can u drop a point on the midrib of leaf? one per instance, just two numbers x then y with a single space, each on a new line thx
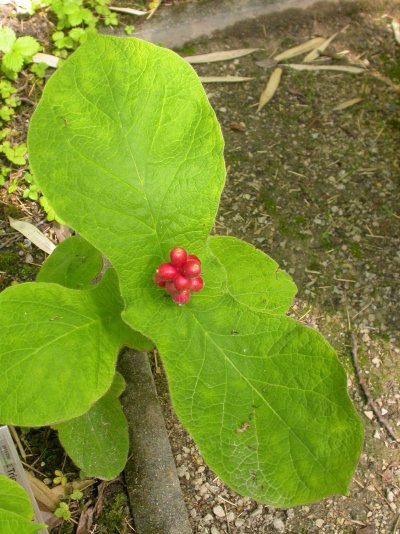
123 133
111 174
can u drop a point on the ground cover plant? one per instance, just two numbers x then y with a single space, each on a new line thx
127 149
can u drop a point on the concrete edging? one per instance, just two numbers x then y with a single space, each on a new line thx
152 482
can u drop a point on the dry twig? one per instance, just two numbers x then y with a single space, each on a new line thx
364 387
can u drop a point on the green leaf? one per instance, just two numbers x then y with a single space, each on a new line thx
74 264
51 214
63 511
6 113
98 440
27 46
6 89
14 498
15 154
263 396
15 509
13 186
39 69
254 278
61 359
13 61
150 171
76 34
11 523
7 39
57 36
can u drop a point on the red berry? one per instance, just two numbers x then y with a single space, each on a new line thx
166 271
178 256
196 284
182 297
159 281
181 282
193 258
191 269
170 288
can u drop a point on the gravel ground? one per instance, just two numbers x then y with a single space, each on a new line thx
318 190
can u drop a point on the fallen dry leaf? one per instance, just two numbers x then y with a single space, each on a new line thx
43 494
270 88
396 30
223 79
51 61
128 11
339 68
379 76
314 54
85 521
154 5
223 55
238 126
300 49
347 104
33 234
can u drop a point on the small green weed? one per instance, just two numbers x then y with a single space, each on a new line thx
16 51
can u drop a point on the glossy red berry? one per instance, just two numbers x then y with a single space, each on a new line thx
192 257
191 269
181 282
178 256
196 284
182 297
159 281
166 271
170 288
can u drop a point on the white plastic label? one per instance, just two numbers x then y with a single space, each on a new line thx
11 467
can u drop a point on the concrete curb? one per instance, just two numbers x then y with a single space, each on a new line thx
178 25
153 487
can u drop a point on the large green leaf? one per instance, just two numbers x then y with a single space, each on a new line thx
134 153
97 441
128 127
263 396
99 453
58 349
15 509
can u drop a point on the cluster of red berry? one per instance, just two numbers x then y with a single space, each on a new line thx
181 276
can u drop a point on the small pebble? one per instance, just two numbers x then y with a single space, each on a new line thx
181 470
208 518
231 516
319 523
214 530
278 525
219 511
